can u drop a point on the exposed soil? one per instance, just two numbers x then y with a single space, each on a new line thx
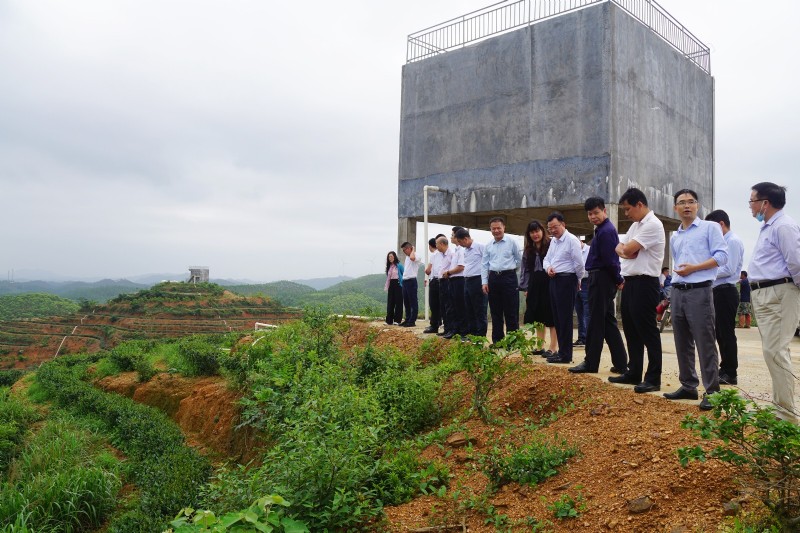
206 410
626 444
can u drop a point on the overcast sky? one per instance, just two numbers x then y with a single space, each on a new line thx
261 138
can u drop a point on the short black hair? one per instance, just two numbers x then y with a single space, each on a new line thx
406 244
555 215
718 215
432 242
497 219
462 234
684 191
456 228
633 196
744 272
594 202
773 192
664 268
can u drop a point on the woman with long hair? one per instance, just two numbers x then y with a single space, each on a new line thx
536 284
393 286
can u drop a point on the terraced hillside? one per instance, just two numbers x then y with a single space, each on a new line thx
165 310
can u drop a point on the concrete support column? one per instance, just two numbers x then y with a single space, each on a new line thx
406 231
613 214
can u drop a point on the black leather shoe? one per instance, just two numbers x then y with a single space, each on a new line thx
646 387
624 379
579 342
537 352
582 368
705 405
430 330
548 353
559 359
725 379
615 370
408 324
681 394
449 335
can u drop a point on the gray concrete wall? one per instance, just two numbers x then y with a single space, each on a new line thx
548 115
662 121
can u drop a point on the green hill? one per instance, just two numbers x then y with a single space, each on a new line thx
359 296
34 305
99 291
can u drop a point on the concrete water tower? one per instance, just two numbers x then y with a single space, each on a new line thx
526 107
198 274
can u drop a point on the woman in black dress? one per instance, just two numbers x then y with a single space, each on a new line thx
536 284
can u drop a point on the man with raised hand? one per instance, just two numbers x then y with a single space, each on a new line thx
774 274
698 250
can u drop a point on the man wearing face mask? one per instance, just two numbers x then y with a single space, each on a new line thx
774 274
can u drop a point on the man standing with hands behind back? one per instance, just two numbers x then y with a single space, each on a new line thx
564 264
774 273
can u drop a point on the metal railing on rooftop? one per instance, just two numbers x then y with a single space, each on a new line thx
506 16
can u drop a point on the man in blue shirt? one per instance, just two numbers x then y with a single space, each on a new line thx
698 250
499 279
604 279
726 299
564 264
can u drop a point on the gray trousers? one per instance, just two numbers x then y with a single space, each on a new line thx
693 325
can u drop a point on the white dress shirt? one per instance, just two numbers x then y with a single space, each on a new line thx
649 233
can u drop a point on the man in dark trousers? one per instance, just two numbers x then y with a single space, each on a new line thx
564 264
604 279
501 258
726 300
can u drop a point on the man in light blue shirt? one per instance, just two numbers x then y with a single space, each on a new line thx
698 250
564 264
774 274
501 258
726 299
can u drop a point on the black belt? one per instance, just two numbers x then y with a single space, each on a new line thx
637 276
564 274
472 277
502 272
725 286
755 285
687 286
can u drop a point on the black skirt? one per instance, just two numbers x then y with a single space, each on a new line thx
537 303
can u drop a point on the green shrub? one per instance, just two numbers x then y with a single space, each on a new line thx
260 516
567 506
167 472
399 476
486 365
530 464
9 377
199 356
763 447
408 397
63 479
145 370
127 355
15 418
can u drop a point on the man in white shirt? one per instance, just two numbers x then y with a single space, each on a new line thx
774 274
475 299
641 251
445 297
434 272
564 264
410 299
454 273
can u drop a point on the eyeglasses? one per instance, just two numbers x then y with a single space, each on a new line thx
686 202
751 202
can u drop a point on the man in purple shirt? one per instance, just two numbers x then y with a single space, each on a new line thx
604 280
